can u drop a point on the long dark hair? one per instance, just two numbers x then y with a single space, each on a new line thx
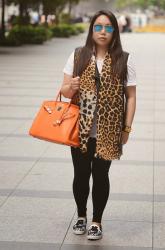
119 65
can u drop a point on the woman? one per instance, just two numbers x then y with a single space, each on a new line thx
100 78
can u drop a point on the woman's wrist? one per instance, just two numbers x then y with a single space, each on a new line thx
127 129
72 91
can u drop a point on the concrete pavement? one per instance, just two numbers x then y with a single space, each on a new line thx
37 208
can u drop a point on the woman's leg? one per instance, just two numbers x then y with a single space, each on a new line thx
82 173
101 187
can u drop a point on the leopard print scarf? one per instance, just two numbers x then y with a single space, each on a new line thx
110 110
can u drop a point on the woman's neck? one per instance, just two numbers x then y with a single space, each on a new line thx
101 52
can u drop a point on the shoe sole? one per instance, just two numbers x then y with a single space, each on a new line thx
79 232
92 237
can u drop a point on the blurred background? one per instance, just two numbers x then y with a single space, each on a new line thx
35 21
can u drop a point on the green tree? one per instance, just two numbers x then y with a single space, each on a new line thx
54 7
71 3
24 6
2 30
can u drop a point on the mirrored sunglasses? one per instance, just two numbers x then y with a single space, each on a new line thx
99 27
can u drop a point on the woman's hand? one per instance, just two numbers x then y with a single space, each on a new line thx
75 83
125 137
70 86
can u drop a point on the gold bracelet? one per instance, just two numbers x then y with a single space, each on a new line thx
127 129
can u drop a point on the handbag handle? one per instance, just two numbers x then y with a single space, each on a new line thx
59 97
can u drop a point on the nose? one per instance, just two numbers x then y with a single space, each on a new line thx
103 30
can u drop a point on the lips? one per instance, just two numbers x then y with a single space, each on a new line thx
102 38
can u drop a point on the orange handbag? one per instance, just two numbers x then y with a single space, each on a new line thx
58 122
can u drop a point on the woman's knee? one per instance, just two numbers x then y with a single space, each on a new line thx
100 168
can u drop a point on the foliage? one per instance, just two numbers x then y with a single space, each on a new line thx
66 30
62 30
53 6
81 27
65 18
24 6
2 26
71 3
27 35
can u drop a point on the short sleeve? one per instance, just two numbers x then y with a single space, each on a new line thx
68 69
131 77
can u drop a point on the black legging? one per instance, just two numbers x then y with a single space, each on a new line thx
82 163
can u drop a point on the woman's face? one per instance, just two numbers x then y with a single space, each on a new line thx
102 31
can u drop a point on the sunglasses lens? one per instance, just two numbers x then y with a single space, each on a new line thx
98 28
109 29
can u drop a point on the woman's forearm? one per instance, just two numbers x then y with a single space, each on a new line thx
130 110
67 91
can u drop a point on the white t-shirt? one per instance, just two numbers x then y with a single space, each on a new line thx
131 78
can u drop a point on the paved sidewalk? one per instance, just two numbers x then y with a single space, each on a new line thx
37 208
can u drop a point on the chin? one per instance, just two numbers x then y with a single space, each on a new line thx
102 43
